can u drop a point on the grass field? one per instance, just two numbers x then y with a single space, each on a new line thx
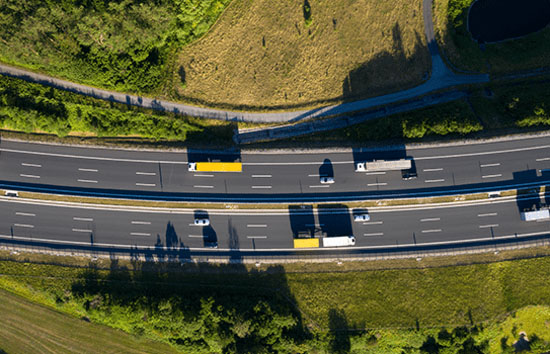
270 54
450 19
31 328
329 298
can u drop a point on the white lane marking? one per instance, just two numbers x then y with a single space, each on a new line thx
141 223
377 184
374 234
262 176
486 226
202 175
24 225
203 186
543 159
314 225
261 187
373 223
434 180
430 219
431 231
24 214
29 176
492 176
88 170
320 186
487 214
139 234
196 236
87 180
30 165
256 225
82 230
146 184
76 218
490 165
375 173
146 173
317 175
256 236
432 169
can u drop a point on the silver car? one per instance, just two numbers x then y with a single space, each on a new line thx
361 217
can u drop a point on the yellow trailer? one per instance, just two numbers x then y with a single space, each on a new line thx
306 242
216 166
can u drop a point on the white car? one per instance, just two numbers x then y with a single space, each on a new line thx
202 222
327 180
361 217
192 166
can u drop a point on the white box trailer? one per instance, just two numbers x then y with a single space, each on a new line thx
339 241
383 165
533 215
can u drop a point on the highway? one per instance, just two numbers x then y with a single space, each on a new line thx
282 176
254 231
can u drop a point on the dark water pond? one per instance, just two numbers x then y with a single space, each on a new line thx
496 20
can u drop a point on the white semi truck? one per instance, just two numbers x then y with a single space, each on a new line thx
383 165
339 241
534 215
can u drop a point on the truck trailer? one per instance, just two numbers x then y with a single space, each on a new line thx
383 165
215 167
339 241
534 215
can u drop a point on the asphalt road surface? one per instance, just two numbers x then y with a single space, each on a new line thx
445 225
267 177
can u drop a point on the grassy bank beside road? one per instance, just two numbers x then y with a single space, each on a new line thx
450 20
29 107
512 107
227 308
266 54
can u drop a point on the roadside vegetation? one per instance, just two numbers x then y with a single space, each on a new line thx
479 308
499 108
450 20
30 108
124 45
294 54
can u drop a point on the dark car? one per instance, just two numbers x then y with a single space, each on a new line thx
408 175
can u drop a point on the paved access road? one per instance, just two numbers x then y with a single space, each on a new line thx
107 226
281 176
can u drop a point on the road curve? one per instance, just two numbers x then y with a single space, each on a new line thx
273 177
441 77
262 233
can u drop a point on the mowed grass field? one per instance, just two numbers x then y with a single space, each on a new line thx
264 54
525 53
31 328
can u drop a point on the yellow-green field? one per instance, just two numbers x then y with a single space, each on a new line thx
31 328
262 54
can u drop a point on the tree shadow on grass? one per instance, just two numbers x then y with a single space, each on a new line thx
197 307
339 332
386 69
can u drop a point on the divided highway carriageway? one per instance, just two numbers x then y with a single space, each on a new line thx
273 177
